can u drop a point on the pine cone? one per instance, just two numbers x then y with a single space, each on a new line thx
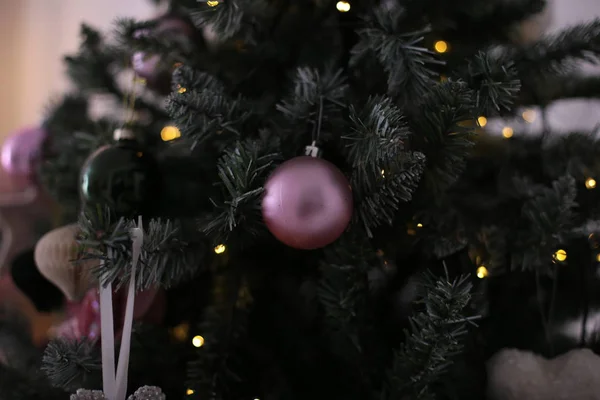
83 394
148 393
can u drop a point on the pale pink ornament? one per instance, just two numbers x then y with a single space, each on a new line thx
21 152
55 253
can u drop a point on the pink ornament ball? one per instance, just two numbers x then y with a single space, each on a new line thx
148 66
308 203
21 152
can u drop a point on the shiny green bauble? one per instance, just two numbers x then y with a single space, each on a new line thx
121 176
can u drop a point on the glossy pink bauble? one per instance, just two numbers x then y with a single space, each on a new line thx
308 203
148 66
21 151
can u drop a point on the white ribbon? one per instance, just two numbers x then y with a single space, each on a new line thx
115 385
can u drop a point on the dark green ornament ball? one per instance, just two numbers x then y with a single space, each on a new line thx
121 176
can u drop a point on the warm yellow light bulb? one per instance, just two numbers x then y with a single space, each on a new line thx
198 341
507 132
529 115
169 133
598 257
181 90
440 46
343 6
212 3
560 255
220 249
180 332
189 392
383 173
590 183
482 121
419 225
482 272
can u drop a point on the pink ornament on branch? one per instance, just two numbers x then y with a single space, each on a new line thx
308 203
21 152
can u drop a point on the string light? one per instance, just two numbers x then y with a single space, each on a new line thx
443 78
220 249
198 341
180 332
181 90
419 225
169 133
212 3
383 173
590 183
482 121
440 46
560 255
507 132
343 6
529 115
482 272
189 392
598 257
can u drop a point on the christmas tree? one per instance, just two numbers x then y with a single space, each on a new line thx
324 211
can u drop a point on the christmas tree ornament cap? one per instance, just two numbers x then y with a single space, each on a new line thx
123 134
313 150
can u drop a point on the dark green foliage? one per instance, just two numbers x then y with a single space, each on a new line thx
208 113
444 132
217 368
545 215
436 336
72 365
430 188
407 63
496 85
558 53
242 171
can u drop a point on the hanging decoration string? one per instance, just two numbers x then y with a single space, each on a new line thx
313 149
115 383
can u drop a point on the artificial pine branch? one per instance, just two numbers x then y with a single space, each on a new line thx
185 77
496 85
574 154
215 373
209 114
315 107
73 364
435 338
547 216
407 63
107 239
383 173
230 18
169 256
242 171
564 86
173 48
444 120
556 54
378 200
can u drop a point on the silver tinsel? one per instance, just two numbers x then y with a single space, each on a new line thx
83 394
148 393
143 393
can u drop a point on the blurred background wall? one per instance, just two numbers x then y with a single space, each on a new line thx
35 34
